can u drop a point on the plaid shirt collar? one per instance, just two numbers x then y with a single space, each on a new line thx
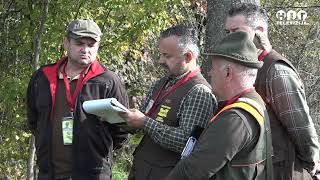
172 79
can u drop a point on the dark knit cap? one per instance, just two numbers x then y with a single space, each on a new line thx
84 28
238 48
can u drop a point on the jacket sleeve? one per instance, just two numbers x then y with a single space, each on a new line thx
118 132
291 108
32 116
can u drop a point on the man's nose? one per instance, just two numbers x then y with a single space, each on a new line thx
85 48
161 60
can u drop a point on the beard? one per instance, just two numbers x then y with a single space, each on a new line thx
166 69
164 66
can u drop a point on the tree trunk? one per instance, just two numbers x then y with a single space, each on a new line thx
216 15
39 34
30 166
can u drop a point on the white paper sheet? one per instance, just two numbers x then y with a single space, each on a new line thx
106 108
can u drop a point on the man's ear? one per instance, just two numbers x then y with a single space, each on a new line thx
228 72
66 43
188 56
260 28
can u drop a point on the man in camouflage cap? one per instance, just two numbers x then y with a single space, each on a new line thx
234 144
54 101
84 28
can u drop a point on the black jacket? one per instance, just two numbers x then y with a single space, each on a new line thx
93 139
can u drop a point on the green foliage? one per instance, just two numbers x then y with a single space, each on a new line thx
123 162
13 137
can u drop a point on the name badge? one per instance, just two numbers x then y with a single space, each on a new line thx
67 129
150 104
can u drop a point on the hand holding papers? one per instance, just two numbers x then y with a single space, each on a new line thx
135 118
108 109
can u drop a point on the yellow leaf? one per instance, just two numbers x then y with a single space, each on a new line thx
26 134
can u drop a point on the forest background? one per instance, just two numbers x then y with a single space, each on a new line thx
31 34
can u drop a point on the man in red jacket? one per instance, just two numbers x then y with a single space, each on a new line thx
69 142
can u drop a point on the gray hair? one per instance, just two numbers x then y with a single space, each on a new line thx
187 38
246 75
253 13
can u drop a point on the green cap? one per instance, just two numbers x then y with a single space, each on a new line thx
238 48
84 28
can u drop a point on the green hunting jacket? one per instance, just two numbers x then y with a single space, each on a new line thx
233 146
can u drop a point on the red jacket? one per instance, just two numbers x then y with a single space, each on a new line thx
93 139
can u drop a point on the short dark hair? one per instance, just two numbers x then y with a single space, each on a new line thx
252 12
187 38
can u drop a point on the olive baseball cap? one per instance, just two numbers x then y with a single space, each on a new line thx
84 28
238 48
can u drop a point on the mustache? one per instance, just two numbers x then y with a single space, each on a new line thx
164 66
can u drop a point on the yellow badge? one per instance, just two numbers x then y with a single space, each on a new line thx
163 113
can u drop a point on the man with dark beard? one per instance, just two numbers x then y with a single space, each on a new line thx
174 106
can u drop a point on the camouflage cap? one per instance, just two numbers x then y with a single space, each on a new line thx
84 28
238 48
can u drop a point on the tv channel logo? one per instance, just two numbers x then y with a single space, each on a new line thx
292 17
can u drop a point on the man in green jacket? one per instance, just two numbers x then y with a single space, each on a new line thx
235 143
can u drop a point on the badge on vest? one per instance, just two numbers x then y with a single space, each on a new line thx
67 128
163 113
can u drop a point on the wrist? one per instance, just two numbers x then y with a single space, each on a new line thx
149 125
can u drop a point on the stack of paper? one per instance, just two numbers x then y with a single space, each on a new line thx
108 109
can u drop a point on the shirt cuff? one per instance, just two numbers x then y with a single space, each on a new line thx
149 125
